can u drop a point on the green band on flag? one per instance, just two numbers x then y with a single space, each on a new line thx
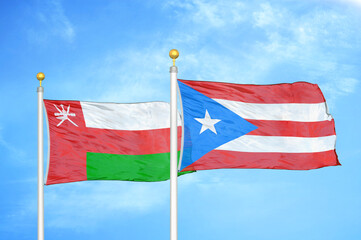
141 168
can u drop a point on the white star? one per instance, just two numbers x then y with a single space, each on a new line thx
207 123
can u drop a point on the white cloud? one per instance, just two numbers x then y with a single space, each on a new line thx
348 85
306 41
210 13
133 75
12 149
231 42
352 2
338 87
52 22
215 186
267 16
83 205
313 43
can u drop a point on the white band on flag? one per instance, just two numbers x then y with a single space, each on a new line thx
250 143
301 112
117 116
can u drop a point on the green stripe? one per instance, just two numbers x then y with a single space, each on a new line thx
142 168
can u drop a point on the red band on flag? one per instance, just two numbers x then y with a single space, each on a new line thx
293 129
218 159
299 92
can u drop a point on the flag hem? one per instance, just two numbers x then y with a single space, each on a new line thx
48 128
182 125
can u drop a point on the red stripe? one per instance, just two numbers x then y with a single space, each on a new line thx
66 162
217 159
299 92
126 142
293 129
69 144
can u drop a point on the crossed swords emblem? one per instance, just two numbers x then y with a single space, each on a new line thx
64 115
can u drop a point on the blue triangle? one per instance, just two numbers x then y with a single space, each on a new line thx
197 143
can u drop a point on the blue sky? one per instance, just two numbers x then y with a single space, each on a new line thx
118 51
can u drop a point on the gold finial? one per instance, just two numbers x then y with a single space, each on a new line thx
173 54
40 76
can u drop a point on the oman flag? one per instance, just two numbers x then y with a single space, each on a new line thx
281 126
108 141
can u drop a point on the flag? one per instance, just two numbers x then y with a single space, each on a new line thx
281 126
108 141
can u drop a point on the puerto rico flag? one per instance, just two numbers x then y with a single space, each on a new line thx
281 126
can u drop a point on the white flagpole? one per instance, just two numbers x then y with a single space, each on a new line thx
40 76
173 148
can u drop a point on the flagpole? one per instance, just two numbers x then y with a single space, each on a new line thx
173 148
40 76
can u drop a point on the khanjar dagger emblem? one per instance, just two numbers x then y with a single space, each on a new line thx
64 115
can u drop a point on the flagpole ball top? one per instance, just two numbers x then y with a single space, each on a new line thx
173 54
40 76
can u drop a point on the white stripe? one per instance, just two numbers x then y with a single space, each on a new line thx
308 112
135 116
250 143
